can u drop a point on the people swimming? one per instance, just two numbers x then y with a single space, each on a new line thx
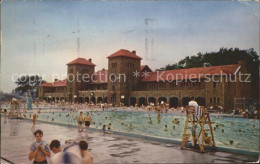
150 120
175 121
104 131
239 131
130 126
159 117
231 142
165 128
206 138
109 126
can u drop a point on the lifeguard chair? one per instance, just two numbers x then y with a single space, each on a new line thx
198 121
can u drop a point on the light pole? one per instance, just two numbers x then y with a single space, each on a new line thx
122 98
75 96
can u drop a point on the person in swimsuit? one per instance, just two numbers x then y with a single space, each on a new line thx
55 146
39 149
87 120
103 130
33 120
86 155
80 120
109 126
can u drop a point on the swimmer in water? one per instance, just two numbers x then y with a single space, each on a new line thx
103 130
165 128
150 120
109 126
222 130
206 138
240 131
230 143
130 126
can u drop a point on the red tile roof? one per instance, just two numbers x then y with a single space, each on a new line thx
145 66
59 83
124 53
100 77
81 61
191 73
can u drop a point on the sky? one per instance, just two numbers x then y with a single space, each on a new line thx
41 37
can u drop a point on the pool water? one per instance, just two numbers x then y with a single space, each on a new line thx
141 124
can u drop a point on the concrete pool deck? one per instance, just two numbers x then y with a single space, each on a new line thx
16 137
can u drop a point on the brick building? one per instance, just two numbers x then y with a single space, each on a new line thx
127 81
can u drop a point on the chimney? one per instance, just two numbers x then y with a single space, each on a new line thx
134 52
103 69
55 80
90 60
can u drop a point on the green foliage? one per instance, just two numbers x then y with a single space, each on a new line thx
29 84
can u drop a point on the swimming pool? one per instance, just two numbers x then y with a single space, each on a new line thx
141 125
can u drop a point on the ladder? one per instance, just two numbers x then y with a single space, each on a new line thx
198 120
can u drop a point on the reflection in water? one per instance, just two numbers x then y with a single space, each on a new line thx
14 128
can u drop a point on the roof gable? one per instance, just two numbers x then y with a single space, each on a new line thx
81 61
58 83
125 53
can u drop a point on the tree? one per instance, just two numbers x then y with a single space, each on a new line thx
29 84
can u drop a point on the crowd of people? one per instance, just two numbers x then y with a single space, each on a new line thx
39 150
250 112
73 153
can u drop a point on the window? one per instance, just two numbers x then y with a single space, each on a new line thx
113 77
210 100
214 85
113 88
114 65
218 100
113 98
84 71
215 100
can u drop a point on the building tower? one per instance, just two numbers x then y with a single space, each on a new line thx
75 79
121 80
